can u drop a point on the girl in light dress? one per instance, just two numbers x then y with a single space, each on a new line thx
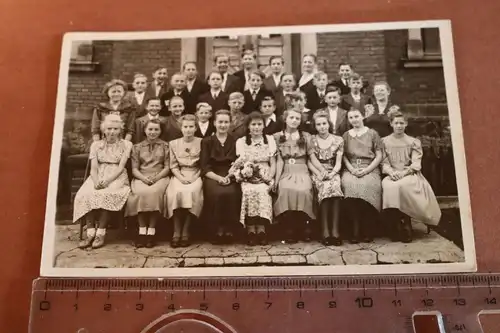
406 193
256 203
150 167
295 201
107 188
184 197
361 177
325 160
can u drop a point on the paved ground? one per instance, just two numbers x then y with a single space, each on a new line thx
426 248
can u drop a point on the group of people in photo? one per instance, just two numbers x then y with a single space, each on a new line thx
244 151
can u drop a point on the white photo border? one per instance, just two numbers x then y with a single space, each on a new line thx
47 268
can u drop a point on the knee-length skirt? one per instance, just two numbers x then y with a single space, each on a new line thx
221 202
367 188
295 191
413 196
187 196
331 188
255 202
111 198
147 198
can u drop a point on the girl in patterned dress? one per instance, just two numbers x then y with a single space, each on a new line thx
256 203
107 188
184 197
294 204
115 93
325 160
361 176
150 167
406 193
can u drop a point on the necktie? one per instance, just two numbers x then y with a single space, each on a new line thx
321 95
254 94
215 96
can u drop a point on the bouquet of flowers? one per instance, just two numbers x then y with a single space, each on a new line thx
245 170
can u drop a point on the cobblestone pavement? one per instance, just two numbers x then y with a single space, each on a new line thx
426 248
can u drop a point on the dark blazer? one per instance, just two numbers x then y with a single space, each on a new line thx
151 90
140 124
250 103
210 130
380 122
218 104
166 98
348 102
126 111
270 85
274 127
140 109
199 88
306 124
237 128
279 99
344 90
172 129
241 79
307 87
232 84
313 100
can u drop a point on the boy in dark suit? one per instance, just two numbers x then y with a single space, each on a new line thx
159 85
254 95
153 107
288 84
215 97
345 72
138 97
249 63
272 83
316 97
230 83
194 86
203 117
272 123
338 116
178 83
355 98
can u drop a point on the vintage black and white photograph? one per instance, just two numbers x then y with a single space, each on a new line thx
322 149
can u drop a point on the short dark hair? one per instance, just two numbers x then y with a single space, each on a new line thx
343 63
189 62
276 57
154 98
266 99
249 51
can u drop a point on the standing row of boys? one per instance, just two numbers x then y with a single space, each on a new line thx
255 150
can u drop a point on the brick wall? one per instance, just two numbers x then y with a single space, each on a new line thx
118 59
420 90
364 50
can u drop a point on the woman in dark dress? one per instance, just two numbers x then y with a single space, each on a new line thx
222 194
376 113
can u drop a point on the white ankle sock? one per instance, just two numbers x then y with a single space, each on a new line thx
90 232
101 232
151 231
143 230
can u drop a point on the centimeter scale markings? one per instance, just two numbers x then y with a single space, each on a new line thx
356 304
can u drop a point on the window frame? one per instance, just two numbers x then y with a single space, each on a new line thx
417 56
82 62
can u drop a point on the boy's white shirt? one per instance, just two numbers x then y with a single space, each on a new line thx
203 127
139 97
271 117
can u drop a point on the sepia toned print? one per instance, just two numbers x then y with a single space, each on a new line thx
267 151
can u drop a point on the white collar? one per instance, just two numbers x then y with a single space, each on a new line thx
153 117
215 92
321 92
256 91
204 126
294 136
271 117
139 93
306 110
333 110
354 133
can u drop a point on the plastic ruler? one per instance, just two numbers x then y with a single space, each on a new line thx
354 304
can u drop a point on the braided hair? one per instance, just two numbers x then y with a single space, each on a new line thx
255 115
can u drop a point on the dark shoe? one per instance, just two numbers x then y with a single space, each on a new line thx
140 241
354 240
406 231
335 241
174 243
218 240
185 242
150 241
307 234
326 241
262 238
251 239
